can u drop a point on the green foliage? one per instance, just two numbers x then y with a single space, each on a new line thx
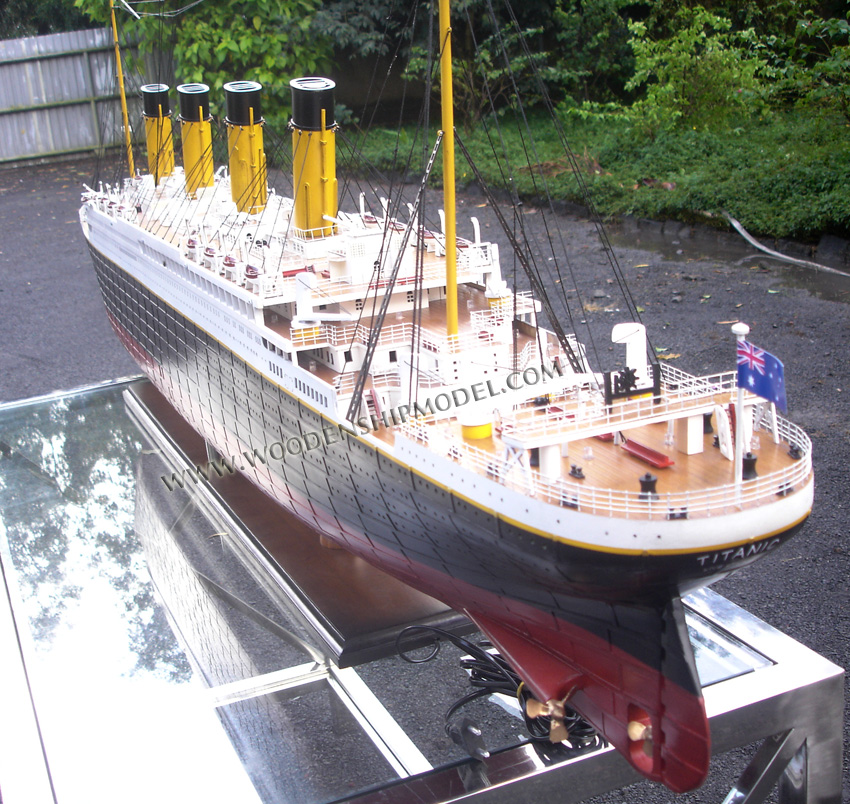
361 29
490 76
20 18
595 59
582 51
784 175
257 40
674 108
701 75
270 41
763 16
816 70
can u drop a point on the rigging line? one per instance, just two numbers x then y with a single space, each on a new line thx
263 176
522 132
502 162
129 8
375 332
390 182
119 170
170 14
161 50
575 360
430 72
251 186
417 313
518 218
412 26
349 155
585 190
419 283
297 184
355 149
393 201
514 276
510 71
367 125
392 185
424 115
192 176
362 136
178 211
419 280
288 169
260 178
18 629
377 175
373 79
373 282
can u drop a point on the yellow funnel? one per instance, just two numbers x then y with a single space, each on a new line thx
197 136
248 172
313 155
156 111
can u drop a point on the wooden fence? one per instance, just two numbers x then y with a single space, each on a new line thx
58 95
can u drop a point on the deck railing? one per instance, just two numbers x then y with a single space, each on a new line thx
393 334
571 413
629 504
390 378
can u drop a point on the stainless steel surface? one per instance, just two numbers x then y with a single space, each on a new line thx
130 674
766 768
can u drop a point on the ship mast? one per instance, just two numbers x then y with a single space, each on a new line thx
128 138
447 103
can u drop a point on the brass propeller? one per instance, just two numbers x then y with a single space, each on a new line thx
554 710
641 732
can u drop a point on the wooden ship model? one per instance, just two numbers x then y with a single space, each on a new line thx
380 380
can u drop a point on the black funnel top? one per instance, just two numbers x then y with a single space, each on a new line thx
194 98
154 97
242 96
309 97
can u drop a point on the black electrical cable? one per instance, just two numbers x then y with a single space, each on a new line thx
490 674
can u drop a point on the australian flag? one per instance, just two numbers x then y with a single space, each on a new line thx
761 373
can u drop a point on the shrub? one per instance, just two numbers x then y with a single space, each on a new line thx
702 75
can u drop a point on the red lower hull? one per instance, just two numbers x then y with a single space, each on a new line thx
608 686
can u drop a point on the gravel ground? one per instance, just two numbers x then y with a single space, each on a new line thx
690 283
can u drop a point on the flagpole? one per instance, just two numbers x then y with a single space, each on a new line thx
740 330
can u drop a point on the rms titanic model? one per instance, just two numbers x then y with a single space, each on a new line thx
408 405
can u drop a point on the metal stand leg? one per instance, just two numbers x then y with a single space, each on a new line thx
212 452
794 784
805 761
798 700
759 777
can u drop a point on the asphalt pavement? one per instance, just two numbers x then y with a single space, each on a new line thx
54 334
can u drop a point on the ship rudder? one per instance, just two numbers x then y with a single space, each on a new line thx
648 704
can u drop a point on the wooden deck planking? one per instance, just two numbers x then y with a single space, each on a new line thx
614 468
